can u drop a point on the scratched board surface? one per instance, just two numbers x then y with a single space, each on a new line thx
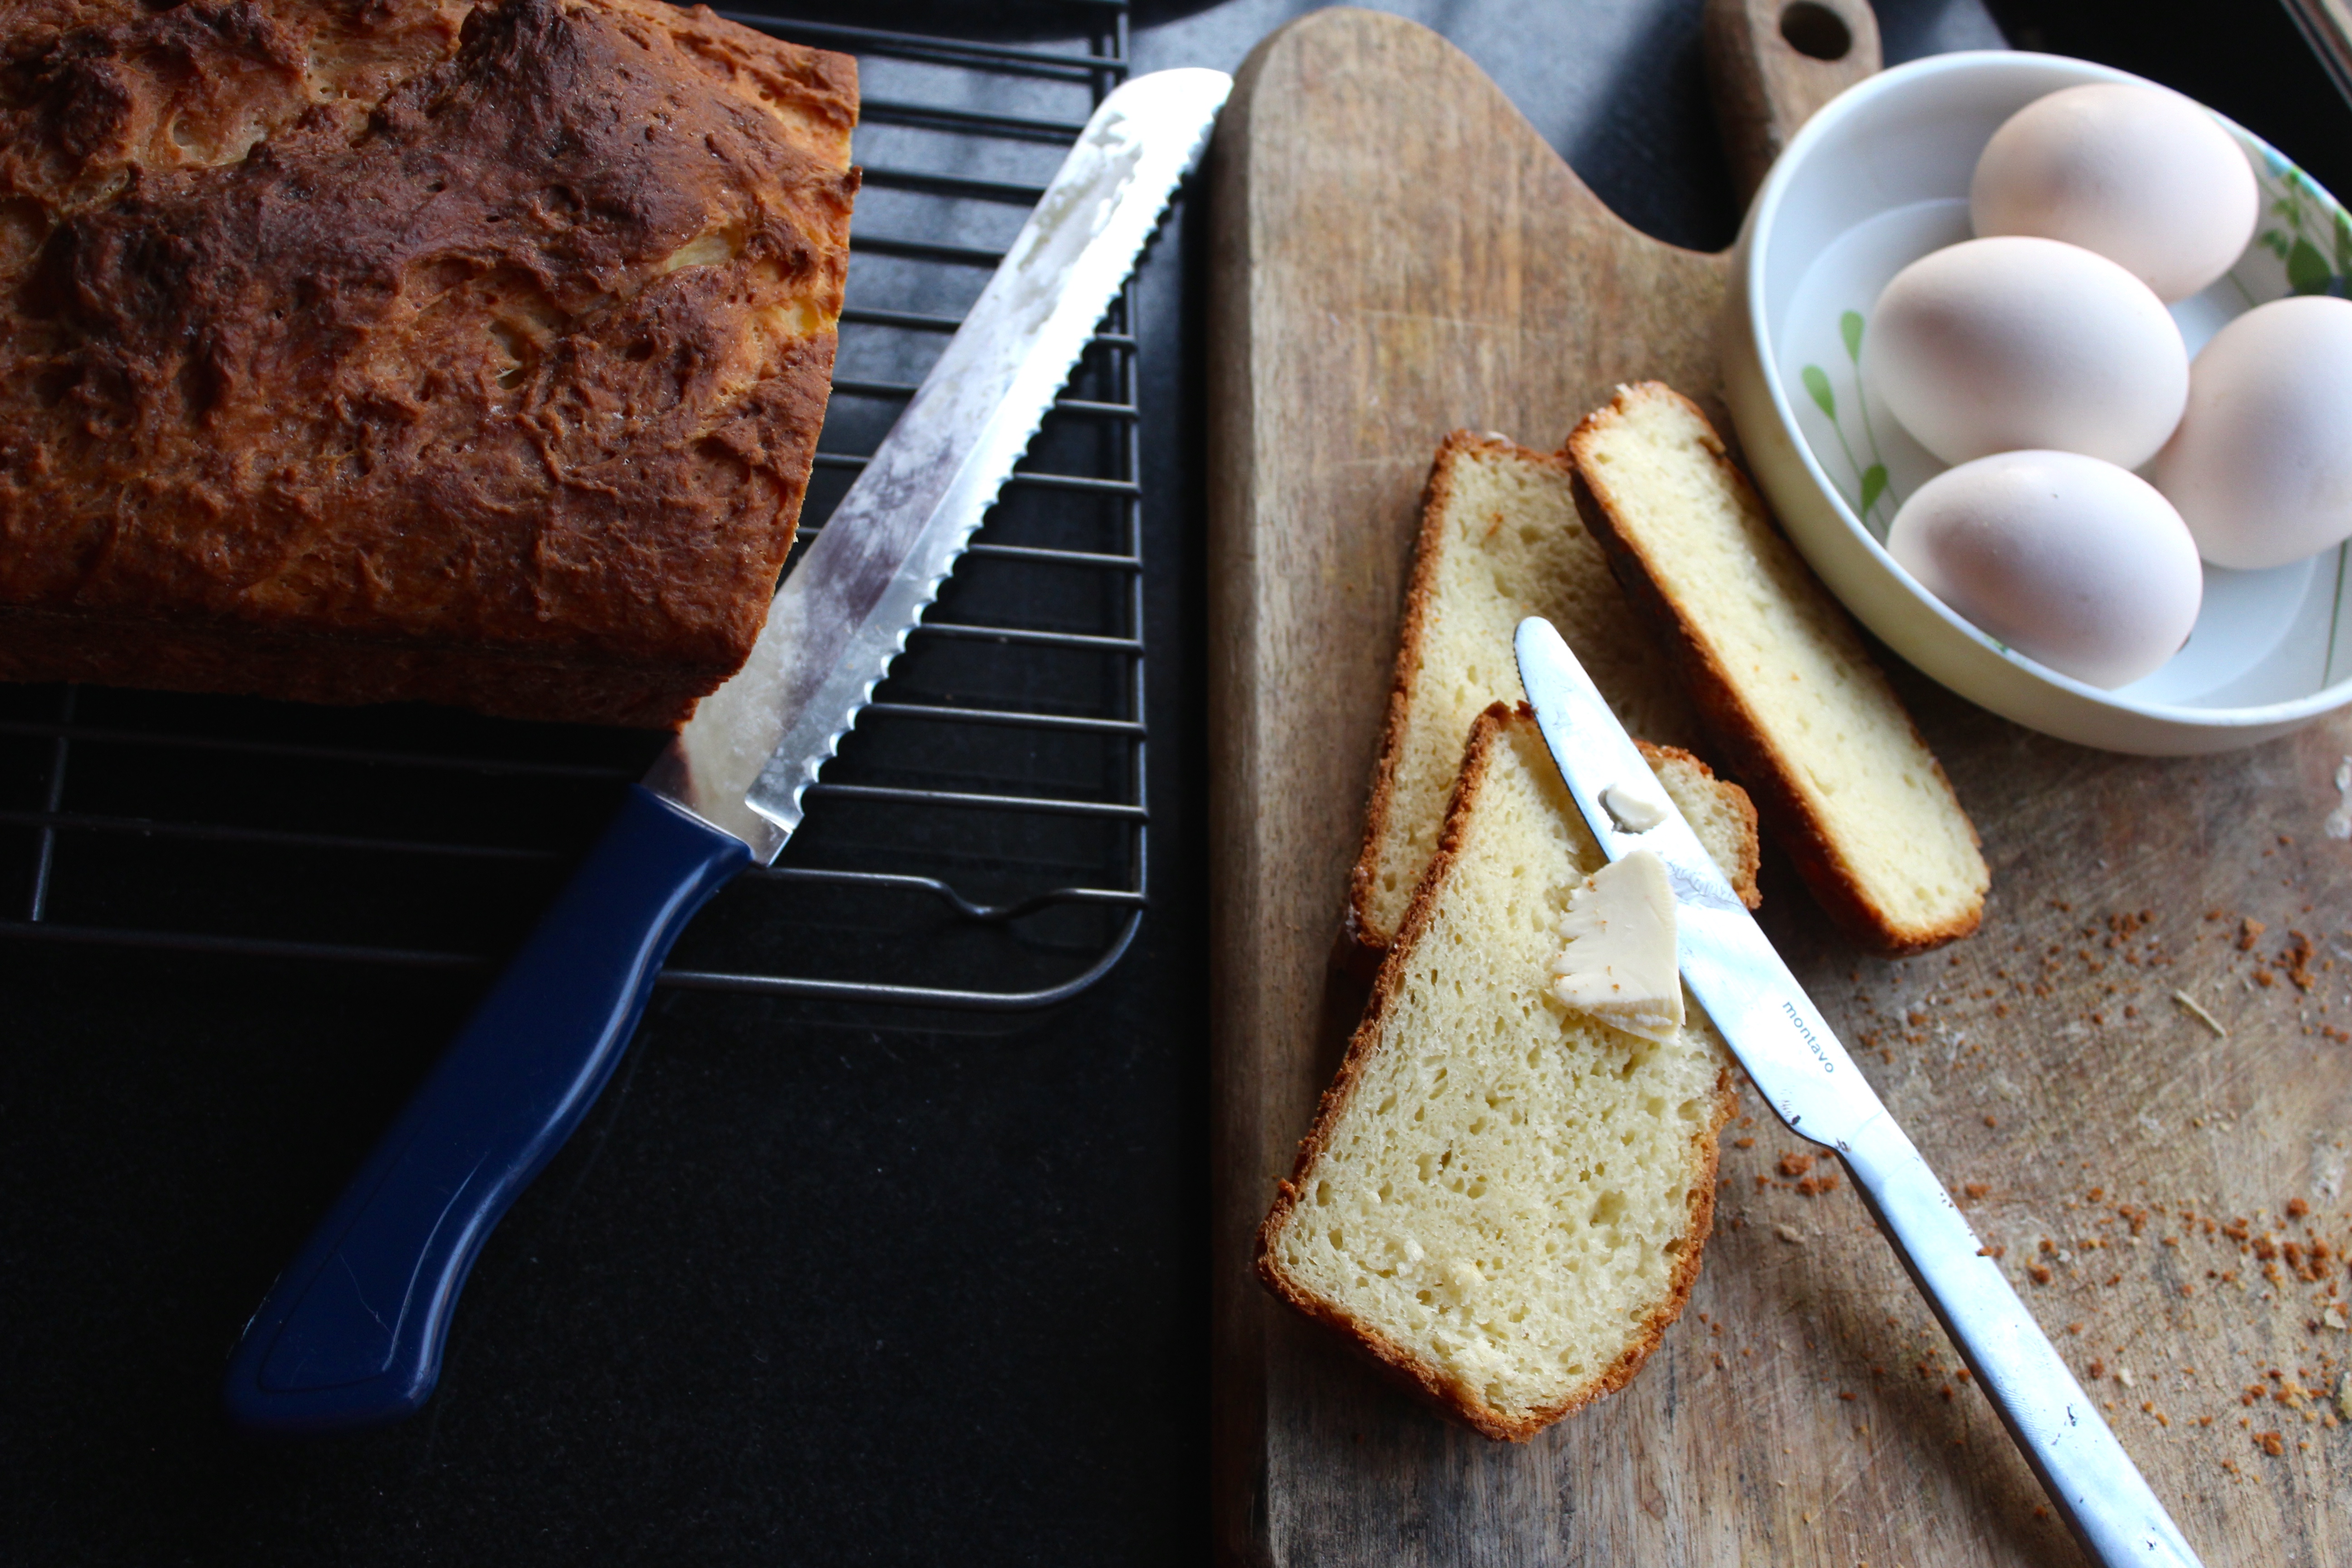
2137 1076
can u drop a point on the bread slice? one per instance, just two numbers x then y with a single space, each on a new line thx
1794 706
1499 541
1502 1201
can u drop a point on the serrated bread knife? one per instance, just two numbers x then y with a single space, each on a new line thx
1796 1063
350 1334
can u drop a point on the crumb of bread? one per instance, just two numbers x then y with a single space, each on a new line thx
1502 1200
1794 703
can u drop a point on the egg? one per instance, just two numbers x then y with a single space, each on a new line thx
2141 176
2064 558
2261 468
1999 345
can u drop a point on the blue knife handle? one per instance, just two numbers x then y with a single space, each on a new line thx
350 1334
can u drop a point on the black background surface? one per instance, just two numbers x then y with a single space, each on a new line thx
811 1285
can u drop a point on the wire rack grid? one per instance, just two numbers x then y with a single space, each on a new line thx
980 842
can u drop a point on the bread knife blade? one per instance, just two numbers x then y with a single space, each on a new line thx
350 1334
1795 1061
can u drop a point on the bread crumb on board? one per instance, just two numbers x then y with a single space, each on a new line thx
2180 1304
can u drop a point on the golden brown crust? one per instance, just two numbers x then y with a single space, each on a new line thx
1410 1372
1366 944
382 333
36 647
1748 749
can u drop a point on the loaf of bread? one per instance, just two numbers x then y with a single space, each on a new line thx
1795 707
1502 1201
1499 541
410 348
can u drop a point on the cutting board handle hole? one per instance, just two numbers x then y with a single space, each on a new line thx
1813 28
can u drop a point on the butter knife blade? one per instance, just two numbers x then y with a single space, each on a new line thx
1793 1057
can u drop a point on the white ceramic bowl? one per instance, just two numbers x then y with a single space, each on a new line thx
1879 178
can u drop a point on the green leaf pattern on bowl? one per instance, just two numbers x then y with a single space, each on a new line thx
1863 485
2308 234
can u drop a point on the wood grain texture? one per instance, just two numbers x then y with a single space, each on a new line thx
1770 63
1395 253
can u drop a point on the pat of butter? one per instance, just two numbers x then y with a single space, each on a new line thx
1619 963
1632 808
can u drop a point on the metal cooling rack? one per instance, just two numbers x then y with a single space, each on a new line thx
979 842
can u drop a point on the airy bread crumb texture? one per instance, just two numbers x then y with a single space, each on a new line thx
1499 541
1502 1200
1796 705
1718 811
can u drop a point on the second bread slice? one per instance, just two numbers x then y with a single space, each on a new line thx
1499 541
1794 704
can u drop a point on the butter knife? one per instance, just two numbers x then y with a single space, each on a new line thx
351 1333
1795 1061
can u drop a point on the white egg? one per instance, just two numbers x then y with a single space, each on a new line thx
2261 468
2064 558
2142 176
2001 345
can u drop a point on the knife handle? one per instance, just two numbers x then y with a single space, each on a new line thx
2055 1425
350 1334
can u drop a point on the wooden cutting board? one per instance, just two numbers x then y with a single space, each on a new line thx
1396 254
